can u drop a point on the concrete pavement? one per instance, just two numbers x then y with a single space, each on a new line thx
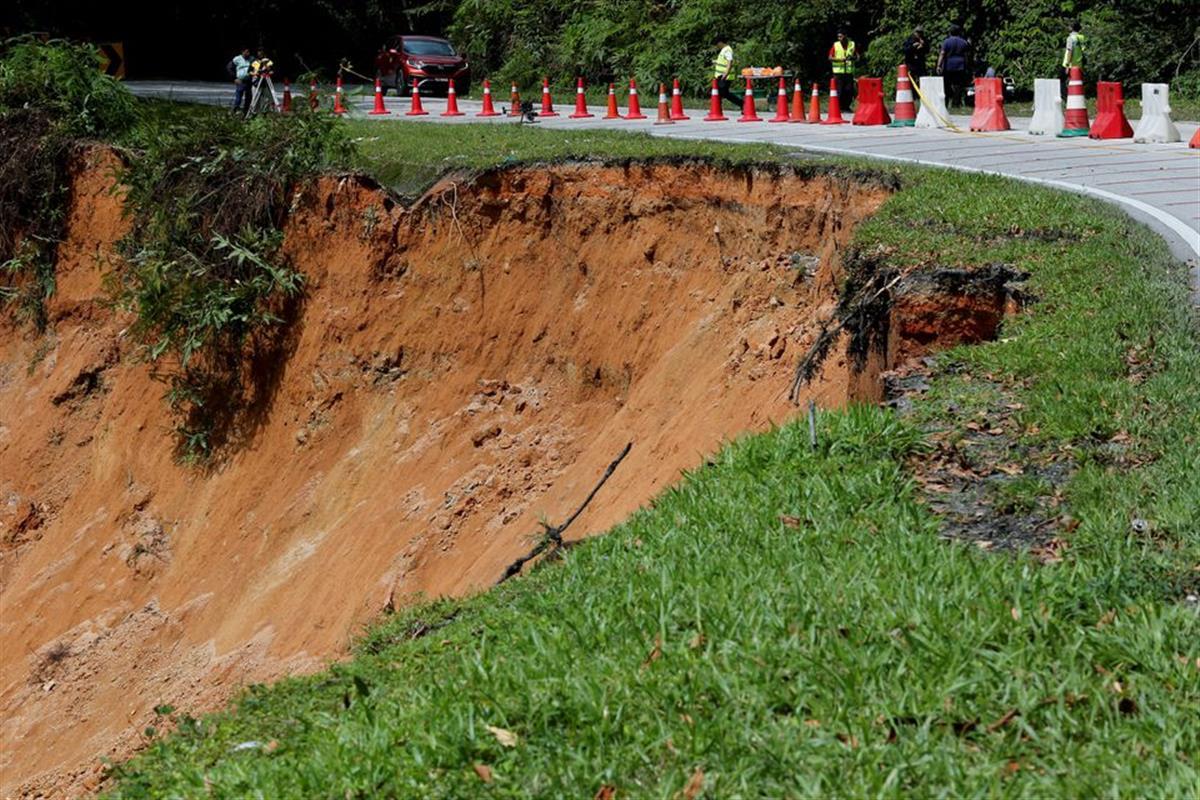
1157 184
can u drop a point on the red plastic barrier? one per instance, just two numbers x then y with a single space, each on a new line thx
870 109
1110 113
989 106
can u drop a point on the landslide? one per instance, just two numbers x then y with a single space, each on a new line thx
459 370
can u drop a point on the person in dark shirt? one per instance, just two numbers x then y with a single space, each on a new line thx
954 65
916 52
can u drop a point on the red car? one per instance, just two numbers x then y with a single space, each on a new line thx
429 60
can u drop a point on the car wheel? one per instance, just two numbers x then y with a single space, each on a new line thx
403 87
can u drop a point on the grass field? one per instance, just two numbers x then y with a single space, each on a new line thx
786 622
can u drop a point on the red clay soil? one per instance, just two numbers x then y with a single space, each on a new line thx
459 370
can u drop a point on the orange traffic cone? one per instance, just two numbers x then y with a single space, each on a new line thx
664 113
416 110
338 108
635 105
748 112
781 103
287 97
514 101
677 103
379 107
834 115
451 102
1075 117
547 104
814 106
612 103
797 102
906 110
489 110
313 100
714 105
1195 142
581 111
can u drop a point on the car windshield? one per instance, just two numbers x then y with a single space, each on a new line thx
424 47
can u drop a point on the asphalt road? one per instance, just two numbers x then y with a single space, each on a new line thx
1158 184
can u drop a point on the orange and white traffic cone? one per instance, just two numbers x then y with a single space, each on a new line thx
1075 116
581 111
613 113
417 110
749 114
489 110
664 113
451 102
547 103
287 97
834 115
797 102
635 104
677 103
314 101
715 114
781 103
514 102
379 107
814 106
338 108
905 115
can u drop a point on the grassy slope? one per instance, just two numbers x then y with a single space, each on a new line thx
706 640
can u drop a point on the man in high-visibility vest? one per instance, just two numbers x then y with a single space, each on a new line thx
722 67
1072 53
841 58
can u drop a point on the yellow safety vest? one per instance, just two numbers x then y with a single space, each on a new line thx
842 65
723 62
258 67
1073 54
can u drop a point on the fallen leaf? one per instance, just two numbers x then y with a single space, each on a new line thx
995 431
504 737
973 426
1106 618
849 740
1008 717
790 521
655 653
813 723
687 719
695 785
1117 687
1012 767
605 792
696 641
484 772
1010 469
1016 613
1014 406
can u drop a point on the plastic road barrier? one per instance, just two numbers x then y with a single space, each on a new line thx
933 112
1110 113
870 109
1047 108
1156 124
989 106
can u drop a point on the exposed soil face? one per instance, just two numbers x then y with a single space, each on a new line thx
459 370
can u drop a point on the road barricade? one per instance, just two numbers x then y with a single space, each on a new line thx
989 106
870 109
1110 113
933 112
1047 108
1156 124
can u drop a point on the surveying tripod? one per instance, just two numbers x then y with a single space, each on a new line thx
262 98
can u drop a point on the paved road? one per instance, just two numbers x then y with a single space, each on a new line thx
1158 184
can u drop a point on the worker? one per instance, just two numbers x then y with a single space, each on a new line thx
953 63
1072 53
239 69
841 57
261 66
916 53
722 66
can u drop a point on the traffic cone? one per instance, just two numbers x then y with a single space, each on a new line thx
1110 113
1195 142
715 114
906 109
814 106
635 105
379 107
338 108
416 110
314 101
749 114
664 113
612 103
287 97
797 102
547 104
489 110
677 103
781 103
581 111
834 115
451 102
514 101
1075 119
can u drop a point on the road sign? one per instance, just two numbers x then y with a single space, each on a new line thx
112 59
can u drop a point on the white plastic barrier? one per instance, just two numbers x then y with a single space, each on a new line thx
1155 124
1047 107
933 113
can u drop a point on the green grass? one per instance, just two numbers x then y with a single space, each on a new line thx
854 654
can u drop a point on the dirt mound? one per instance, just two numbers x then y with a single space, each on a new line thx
459 370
